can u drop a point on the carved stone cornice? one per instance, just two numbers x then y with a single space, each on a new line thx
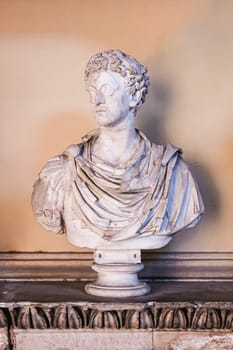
152 315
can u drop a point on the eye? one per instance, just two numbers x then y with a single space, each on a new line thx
108 90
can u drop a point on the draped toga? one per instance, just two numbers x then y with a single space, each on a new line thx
153 193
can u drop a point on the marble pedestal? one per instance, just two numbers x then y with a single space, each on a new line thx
117 274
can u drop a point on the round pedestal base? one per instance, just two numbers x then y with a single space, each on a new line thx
117 292
117 281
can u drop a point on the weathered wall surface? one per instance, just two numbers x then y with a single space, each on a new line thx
187 46
105 340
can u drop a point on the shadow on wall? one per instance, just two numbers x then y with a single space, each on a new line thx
208 190
153 120
153 116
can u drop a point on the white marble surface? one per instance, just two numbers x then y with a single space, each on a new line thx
117 274
116 189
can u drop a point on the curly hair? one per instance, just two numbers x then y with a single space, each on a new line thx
127 66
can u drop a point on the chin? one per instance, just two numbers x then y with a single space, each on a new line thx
100 115
103 120
106 124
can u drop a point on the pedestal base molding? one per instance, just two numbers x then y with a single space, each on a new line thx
117 274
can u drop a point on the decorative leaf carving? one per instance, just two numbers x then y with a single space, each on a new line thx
47 314
3 319
199 318
229 320
84 313
13 317
139 319
111 320
146 319
179 319
121 318
60 319
132 319
223 315
156 316
189 315
213 320
205 318
23 319
74 319
96 319
38 321
165 319
172 318
104 319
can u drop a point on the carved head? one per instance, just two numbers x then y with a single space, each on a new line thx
133 72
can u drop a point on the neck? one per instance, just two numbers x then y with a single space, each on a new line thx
116 143
123 132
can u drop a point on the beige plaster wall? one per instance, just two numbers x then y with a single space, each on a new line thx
188 48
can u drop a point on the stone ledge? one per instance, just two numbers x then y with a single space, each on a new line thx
170 305
72 292
60 316
77 266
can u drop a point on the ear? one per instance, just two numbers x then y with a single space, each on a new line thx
134 99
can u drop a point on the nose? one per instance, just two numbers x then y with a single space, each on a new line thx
99 98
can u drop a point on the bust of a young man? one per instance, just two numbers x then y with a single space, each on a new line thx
116 189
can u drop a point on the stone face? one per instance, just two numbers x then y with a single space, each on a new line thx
120 339
192 341
82 340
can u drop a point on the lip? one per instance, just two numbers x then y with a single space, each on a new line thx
101 110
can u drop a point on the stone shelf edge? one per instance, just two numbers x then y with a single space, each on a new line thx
77 266
115 316
59 315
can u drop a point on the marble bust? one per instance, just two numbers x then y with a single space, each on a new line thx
116 190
